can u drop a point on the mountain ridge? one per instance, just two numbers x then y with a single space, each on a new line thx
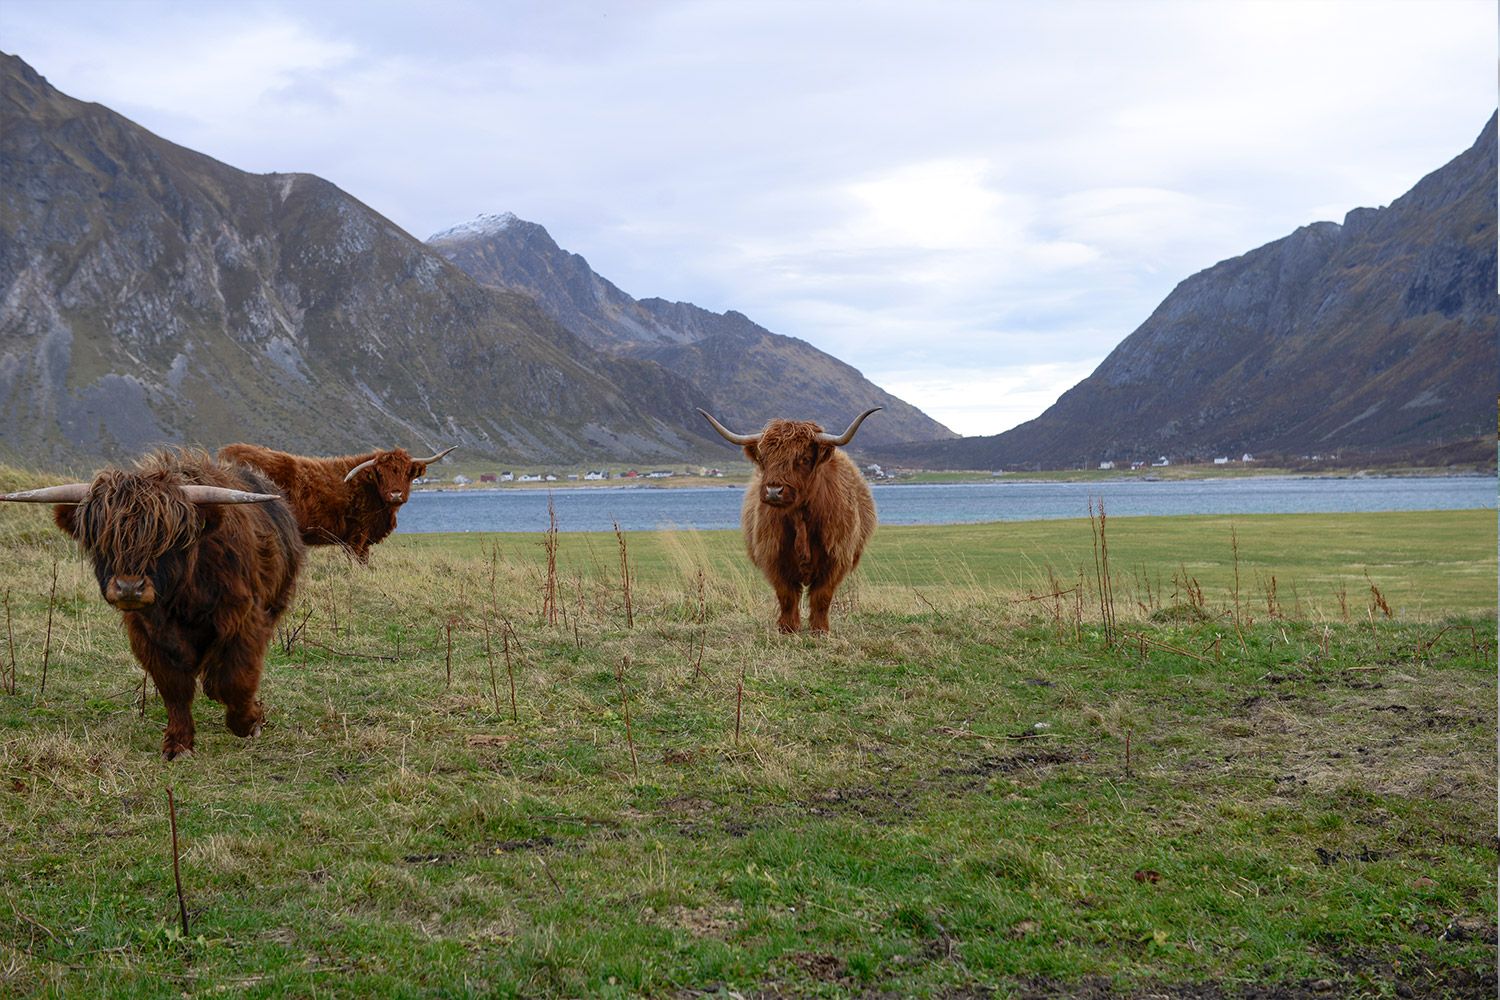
150 294
1375 336
749 374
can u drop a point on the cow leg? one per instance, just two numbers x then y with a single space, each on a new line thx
235 679
789 599
819 599
170 661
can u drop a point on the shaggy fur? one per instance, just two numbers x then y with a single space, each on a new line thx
199 586
813 534
329 511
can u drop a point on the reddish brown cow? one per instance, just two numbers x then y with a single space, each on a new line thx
807 513
349 501
201 560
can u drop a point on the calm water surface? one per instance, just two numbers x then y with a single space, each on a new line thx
646 508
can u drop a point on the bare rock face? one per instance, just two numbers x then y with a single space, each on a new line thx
150 294
746 374
1374 336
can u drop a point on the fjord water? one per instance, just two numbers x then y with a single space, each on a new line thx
647 508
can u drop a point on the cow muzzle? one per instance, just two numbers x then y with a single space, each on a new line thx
130 593
395 498
777 496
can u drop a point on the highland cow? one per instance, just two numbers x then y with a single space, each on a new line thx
807 513
350 501
201 560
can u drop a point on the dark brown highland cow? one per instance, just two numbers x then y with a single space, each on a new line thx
200 559
349 501
807 513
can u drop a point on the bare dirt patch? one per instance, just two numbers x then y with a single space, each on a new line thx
699 921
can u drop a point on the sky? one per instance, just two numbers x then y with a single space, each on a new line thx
971 202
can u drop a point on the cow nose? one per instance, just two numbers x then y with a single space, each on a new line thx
130 591
396 498
772 494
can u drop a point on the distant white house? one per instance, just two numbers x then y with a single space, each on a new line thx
1247 457
507 477
531 477
1221 461
596 475
1106 465
461 480
659 474
550 477
1160 462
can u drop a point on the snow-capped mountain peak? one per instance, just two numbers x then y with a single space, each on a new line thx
484 225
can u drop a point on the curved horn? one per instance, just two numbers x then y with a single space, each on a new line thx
219 494
361 467
844 438
726 433
72 493
434 458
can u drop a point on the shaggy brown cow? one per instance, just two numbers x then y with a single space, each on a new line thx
349 501
201 560
807 513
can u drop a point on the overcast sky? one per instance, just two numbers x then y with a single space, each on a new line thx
971 202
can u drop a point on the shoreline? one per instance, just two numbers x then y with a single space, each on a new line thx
973 478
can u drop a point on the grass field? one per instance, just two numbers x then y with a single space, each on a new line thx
1256 754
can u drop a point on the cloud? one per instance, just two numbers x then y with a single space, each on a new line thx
940 204
986 400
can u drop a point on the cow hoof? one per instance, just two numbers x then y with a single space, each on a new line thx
172 753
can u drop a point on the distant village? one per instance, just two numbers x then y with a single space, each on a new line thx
596 475
1163 462
871 471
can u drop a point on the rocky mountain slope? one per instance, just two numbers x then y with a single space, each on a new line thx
1374 336
152 294
747 373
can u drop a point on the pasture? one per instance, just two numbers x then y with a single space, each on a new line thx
1192 757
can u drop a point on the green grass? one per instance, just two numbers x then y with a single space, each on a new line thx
971 784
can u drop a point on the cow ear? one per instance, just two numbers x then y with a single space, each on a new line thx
63 515
210 516
417 468
825 452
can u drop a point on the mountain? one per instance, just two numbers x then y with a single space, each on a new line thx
150 294
1374 337
746 373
